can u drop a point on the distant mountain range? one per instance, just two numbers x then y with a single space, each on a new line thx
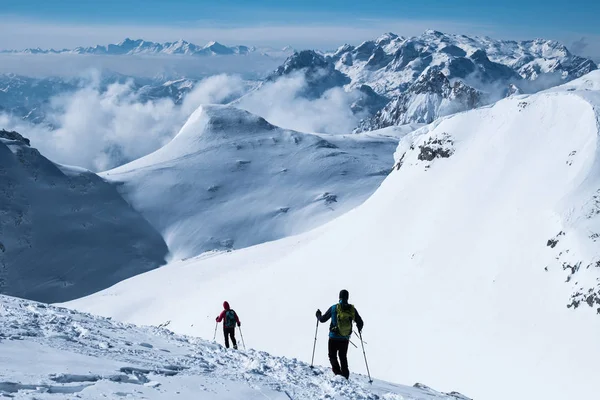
140 46
436 74
397 80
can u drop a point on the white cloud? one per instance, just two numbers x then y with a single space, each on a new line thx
101 129
282 104
69 65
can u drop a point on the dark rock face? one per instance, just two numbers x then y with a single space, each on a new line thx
319 72
429 98
369 102
491 71
433 148
12 135
407 53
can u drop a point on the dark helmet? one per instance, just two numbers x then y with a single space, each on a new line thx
344 295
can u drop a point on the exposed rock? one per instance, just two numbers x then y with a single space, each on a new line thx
12 135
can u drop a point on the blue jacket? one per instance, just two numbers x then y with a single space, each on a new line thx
332 313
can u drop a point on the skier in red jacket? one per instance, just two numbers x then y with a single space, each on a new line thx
230 319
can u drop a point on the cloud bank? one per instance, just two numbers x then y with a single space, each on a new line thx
282 103
100 129
252 66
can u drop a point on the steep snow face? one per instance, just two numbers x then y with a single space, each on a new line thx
229 179
87 357
64 232
452 262
589 82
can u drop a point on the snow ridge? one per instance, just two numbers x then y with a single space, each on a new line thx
269 182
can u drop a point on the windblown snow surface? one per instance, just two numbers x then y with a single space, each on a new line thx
55 353
462 263
230 179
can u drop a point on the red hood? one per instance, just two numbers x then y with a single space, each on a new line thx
226 305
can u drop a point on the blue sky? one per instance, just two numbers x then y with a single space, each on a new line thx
64 22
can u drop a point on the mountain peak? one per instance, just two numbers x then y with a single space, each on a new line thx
387 37
14 136
432 32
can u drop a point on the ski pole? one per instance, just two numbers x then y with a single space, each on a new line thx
314 346
365 354
242 336
353 344
215 335
359 337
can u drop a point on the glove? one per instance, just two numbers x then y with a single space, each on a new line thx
239 324
217 319
318 314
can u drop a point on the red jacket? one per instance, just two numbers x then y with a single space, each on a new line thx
227 308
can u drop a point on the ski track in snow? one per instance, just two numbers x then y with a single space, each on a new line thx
49 352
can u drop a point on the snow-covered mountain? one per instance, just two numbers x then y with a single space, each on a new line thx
412 70
319 72
86 357
64 232
422 78
140 46
430 97
474 265
391 64
229 179
26 97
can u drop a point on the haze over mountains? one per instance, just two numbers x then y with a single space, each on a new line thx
140 46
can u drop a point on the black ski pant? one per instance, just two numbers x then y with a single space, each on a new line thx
230 333
339 347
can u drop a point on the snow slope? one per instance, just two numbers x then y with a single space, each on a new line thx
64 232
88 357
462 263
229 179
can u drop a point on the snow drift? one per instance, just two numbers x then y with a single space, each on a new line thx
230 179
452 262
64 232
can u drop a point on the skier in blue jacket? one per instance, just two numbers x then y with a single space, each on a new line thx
342 315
